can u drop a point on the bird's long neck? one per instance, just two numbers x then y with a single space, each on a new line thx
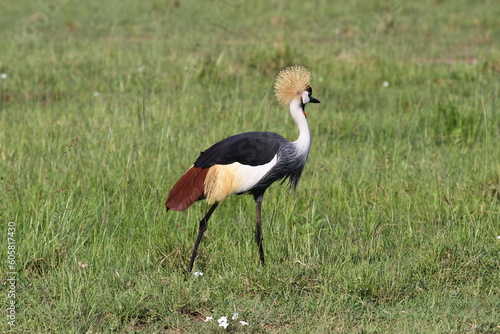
303 143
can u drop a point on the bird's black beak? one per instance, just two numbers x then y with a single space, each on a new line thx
313 100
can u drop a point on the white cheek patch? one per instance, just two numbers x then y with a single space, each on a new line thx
305 97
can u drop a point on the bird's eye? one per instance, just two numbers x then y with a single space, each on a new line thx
309 90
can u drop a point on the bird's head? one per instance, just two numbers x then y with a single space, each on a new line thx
292 83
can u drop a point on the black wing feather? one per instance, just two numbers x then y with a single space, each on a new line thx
249 148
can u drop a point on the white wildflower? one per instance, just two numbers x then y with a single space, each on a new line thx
198 274
498 237
244 323
385 84
4 76
83 265
97 94
235 316
208 319
223 322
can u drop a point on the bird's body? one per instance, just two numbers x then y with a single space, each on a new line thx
247 163
250 162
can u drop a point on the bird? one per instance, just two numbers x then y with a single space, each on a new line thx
248 163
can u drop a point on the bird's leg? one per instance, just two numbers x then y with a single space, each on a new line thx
258 229
201 229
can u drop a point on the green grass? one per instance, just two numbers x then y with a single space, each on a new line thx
393 228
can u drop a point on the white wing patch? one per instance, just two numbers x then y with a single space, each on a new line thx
225 180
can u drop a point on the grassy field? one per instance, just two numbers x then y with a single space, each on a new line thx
393 229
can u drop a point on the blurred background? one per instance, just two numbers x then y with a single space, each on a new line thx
393 229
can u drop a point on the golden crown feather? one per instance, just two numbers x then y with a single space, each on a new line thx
290 83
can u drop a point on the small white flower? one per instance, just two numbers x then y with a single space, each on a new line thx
4 76
97 94
235 316
244 323
140 68
385 84
498 237
223 322
198 274
83 265
208 319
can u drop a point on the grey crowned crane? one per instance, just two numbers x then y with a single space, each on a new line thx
250 162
